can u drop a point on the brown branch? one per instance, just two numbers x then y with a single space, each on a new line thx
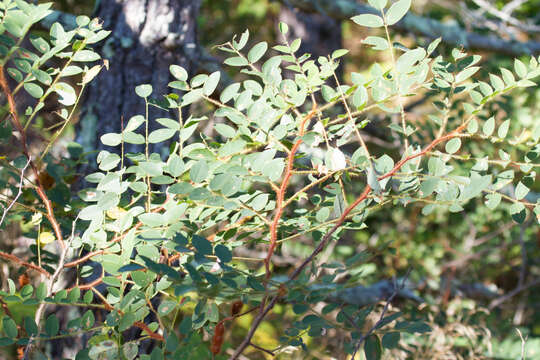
269 352
326 238
280 194
28 265
513 293
39 188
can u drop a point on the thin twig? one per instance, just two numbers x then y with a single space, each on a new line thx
19 193
381 318
39 188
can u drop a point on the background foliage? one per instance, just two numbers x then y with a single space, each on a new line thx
438 257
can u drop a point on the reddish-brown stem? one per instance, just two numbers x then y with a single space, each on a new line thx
39 188
326 238
28 265
280 193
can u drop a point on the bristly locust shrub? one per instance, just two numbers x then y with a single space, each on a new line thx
288 161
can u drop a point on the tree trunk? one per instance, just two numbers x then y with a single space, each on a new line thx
147 37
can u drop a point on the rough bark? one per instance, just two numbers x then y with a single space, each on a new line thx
147 37
450 34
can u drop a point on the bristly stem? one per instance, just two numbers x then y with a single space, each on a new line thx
146 152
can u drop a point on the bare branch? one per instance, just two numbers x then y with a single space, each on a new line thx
19 193
381 318
505 16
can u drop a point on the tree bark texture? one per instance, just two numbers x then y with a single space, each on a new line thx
147 37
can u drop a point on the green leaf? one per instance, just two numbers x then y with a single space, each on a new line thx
257 52
152 219
223 253
472 127
41 291
15 74
199 171
109 162
166 307
133 138
489 126
52 325
397 11
225 130
169 123
283 28
368 20
67 93
178 72
377 42
273 169
378 4
323 214
243 41
254 284
160 135
503 129
339 53
88 320
230 92
372 348
134 123
518 212
521 191
203 246
30 326
236 61
453 145
496 82
10 327
143 90
151 168
86 56
111 139
520 68
34 90
175 165
90 212
211 83
405 62
465 74
390 340
493 200
259 202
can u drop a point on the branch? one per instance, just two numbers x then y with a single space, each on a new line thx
504 16
450 34
326 238
513 293
39 188
19 193
381 318
28 265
